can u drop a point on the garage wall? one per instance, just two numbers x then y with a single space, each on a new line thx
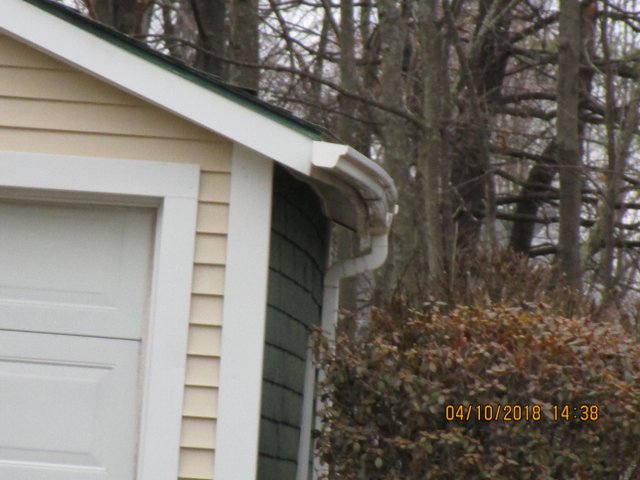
299 233
47 107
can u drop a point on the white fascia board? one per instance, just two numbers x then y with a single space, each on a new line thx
174 188
245 309
152 83
373 185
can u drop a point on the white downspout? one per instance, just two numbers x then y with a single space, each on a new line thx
344 269
330 302
374 195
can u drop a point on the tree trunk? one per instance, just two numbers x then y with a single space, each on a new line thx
347 71
397 149
210 17
543 172
568 152
482 73
127 16
433 147
243 44
614 175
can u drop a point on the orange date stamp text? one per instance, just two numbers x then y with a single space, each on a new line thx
521 413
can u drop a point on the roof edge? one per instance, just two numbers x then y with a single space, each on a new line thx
372 183
206 80
87 44
163 87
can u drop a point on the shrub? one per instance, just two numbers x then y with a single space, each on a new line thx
386 398
489 276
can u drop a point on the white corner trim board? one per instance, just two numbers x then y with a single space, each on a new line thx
173 188
243 330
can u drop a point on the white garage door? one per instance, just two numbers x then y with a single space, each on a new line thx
74 287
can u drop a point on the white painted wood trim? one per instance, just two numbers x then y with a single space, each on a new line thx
151 82
166 351
111 176
244 317
308 416
174 187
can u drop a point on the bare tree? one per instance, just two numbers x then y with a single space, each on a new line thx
128 16
568 150
243 43
505 123
211 20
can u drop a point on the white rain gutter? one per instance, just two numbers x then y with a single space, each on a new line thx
369 187
373 194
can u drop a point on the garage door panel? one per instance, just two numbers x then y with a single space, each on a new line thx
74 290
63 401
80 270
55 472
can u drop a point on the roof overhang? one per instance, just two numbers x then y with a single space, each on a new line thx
367 187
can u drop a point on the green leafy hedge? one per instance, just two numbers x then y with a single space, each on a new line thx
385 409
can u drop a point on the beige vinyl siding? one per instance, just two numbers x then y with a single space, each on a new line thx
48 107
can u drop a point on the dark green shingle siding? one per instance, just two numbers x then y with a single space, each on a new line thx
296 267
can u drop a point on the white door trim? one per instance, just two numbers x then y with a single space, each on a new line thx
174 188
245 308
